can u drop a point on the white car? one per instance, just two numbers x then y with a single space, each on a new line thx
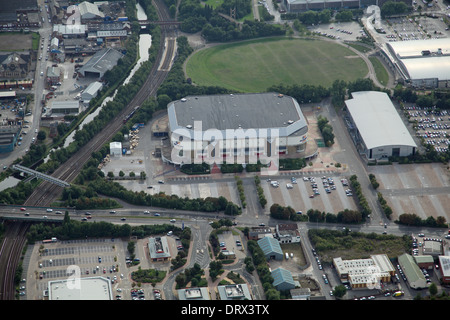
49 210
173 220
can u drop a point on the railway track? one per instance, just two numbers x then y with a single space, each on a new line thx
46 193
10 251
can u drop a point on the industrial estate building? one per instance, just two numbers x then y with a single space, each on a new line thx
193 294
65 107
414 275
234 292
271 248
283 280
444 263
376 127
236 125
100 62
363 273
91 91
8 137
422 63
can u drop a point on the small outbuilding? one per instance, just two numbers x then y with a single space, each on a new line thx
115 149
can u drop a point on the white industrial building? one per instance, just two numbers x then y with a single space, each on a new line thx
422 63
85 10
91 91
115 149
376 127
365 273
234 292
236 125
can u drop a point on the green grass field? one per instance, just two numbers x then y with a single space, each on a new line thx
253 66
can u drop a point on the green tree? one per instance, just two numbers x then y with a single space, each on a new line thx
41 136
433 289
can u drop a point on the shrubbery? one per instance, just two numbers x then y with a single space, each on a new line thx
260 191
362 202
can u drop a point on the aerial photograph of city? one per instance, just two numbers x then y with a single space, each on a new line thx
225 157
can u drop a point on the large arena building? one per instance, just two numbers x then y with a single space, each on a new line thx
376 127
422 63
235 125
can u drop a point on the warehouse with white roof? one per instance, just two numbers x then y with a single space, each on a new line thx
376 127
422 63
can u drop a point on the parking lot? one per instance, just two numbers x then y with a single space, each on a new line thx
345 31
415 188
414 28
310 192
432 125
232 242
94 257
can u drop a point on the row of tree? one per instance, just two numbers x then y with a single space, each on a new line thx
216 25
326 129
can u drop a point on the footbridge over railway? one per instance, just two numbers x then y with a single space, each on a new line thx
144 23
41 175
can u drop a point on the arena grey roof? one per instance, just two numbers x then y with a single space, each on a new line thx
234 111
378 122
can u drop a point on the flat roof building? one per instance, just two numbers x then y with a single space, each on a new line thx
70 30
158 249
444 264
193 294
8 137
364 273
376 127
234 292
92 288
232 123
432 248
